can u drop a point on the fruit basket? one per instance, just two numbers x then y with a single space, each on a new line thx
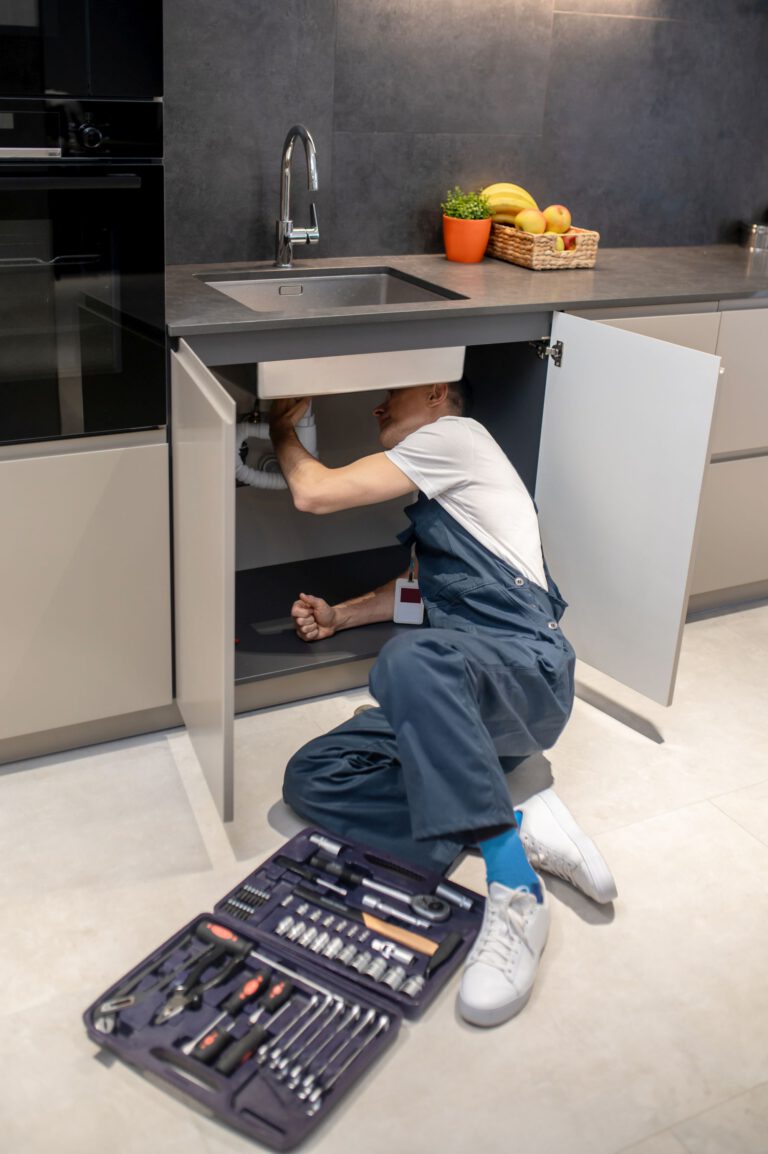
538 251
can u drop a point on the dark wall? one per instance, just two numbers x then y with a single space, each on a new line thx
645 117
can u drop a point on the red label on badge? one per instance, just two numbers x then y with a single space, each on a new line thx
412 596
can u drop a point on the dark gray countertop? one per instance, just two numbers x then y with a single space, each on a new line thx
626 276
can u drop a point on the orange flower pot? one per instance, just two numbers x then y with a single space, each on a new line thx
465 240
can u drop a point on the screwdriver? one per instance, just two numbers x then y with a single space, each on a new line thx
210 1041
273 1003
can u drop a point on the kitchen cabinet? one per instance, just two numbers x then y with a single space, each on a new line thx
621 427
85 574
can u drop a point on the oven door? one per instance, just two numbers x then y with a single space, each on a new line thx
106 48
82 345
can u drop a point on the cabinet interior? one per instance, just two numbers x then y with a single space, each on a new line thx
281 552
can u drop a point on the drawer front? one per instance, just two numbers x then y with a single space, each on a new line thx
741 418
691 330
733 530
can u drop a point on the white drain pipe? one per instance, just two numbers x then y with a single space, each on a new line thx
267 475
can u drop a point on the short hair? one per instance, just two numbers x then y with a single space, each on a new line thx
460 396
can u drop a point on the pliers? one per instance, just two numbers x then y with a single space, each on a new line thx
226 945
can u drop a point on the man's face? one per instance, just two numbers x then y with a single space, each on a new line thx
404 411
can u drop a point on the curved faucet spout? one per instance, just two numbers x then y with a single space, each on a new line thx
287 235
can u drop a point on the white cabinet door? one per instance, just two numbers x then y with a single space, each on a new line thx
624 445
85 605
203 443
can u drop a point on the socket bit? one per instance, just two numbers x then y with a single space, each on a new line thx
283 926
394 978
308 936
362 961
316 915
376 969
296 931
334 948
320 942
413 986
347 955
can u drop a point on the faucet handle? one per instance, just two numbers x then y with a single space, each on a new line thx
313 232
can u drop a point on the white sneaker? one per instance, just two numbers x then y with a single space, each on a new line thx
553 842
500 971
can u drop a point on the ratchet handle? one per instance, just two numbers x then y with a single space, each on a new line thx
336 869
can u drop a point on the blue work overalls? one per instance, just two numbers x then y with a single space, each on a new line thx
490 675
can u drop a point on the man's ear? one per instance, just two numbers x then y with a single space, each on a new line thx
437 394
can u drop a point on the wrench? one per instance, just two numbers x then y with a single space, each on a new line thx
315 1100
284 1063
300 1068
309 1081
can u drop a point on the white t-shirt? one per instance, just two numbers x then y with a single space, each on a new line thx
456 461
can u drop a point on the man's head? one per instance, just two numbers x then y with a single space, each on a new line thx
406 410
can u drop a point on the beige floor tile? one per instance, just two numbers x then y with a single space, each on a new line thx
736 1127
665 1143
748 807
113 814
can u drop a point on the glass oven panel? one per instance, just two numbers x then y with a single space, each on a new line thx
82 347
108 48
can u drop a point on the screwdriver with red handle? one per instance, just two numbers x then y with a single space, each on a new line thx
206 1041
207 1046
244 1048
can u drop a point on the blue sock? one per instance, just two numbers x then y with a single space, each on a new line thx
506 862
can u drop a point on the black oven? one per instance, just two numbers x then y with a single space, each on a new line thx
100 48
82 343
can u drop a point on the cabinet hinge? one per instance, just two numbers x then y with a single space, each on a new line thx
544 349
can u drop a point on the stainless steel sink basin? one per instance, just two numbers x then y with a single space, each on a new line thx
296 291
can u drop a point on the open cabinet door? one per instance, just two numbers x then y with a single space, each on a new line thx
624 445
203 443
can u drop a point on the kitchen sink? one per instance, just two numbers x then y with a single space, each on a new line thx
297 290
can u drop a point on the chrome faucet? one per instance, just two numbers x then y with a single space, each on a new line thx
287 235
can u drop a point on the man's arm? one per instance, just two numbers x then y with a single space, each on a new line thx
315 619
318 489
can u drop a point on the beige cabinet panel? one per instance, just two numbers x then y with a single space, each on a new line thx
691 330
85 611
742 411
732 547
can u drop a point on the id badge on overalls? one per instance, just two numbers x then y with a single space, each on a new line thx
409 607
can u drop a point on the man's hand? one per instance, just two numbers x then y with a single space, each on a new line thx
284 413
314 618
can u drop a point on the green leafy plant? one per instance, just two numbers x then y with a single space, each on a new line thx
466 205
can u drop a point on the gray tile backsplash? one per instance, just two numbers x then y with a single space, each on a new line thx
643 116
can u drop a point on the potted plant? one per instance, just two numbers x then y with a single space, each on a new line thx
466 225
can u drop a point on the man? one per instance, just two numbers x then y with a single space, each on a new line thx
489 677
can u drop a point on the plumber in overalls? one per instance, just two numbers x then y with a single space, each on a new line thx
489 675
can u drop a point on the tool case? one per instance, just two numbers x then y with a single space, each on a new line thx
267 1011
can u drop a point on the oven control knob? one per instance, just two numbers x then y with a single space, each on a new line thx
90 135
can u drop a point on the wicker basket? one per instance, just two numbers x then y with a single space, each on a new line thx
538 250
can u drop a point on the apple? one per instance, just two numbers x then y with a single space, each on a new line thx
558 218
531 220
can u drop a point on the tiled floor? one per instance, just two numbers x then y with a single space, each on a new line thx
647 1032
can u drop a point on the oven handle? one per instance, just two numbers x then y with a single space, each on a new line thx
27 262
67 183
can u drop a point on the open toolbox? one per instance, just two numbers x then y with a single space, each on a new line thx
269 1010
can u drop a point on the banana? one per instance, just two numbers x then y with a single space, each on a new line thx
508 198
504 217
